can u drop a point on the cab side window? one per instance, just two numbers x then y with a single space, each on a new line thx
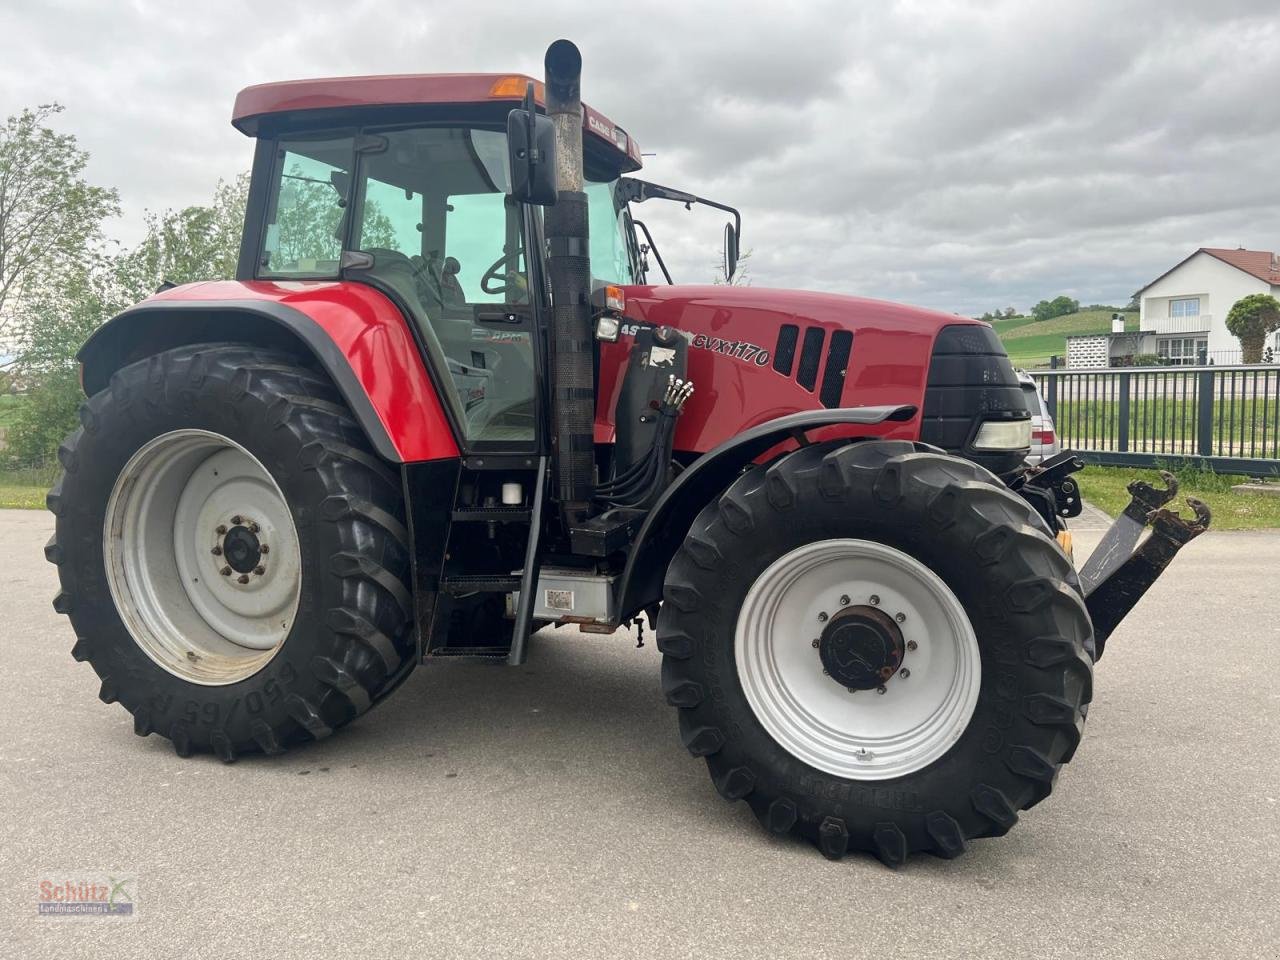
305 225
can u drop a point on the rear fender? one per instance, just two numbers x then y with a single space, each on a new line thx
371 359
666 525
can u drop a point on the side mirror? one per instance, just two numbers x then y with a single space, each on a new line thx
531 149
730 251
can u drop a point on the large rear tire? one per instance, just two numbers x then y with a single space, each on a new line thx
232 554
878 647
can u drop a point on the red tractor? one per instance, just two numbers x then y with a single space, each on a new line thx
445 404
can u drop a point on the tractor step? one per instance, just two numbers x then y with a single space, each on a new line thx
485 584
493 515
497 654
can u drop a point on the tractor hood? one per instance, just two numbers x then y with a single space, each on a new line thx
757 353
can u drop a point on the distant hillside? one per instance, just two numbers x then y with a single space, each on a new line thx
1031 343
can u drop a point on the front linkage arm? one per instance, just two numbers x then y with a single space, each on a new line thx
1120 584
1122 536
1119 571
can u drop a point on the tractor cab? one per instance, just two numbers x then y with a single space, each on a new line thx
413 198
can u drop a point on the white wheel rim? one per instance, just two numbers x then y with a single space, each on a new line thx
863 735
187 506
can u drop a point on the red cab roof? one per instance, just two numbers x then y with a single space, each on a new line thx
409 89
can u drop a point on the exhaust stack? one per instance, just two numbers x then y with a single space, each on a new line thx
569 266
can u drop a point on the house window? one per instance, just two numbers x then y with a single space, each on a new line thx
1181 350
1185 307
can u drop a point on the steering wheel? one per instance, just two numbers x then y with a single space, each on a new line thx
499 271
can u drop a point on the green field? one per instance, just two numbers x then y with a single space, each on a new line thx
25 488
1030 343
1104 487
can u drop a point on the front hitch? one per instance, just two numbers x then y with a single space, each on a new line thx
1119 581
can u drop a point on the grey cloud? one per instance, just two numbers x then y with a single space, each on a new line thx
958 155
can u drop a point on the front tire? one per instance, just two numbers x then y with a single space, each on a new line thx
878 647
232 554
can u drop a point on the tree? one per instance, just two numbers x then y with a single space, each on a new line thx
73 299
53 320
740 277
183 246
49 214
1057 307
1250 319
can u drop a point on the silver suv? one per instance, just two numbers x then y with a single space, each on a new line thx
1044 436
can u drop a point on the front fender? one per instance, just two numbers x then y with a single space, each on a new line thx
665 527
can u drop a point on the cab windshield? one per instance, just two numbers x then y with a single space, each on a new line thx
611 238
428 207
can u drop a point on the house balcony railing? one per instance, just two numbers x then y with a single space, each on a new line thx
1175 325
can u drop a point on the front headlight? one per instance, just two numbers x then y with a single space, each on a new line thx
1003 435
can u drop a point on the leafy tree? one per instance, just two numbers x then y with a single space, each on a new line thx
1250 319
49 214
1057 307
55 317
183 246
53 321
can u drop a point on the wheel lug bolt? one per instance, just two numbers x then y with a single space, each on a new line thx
825 673
225 571
253 527
237 519
904 673
243 578
880 689
853 689
259 570
900 617
263 548
217 551
912 645
814 643
823 618
844 601
221 529
875 600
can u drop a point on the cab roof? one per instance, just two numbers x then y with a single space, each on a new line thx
413 89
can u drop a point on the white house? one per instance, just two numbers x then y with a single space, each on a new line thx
1186 307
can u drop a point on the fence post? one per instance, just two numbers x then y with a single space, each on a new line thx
1122 428
1204 407
1051 395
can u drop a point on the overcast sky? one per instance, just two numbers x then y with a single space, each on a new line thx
964 156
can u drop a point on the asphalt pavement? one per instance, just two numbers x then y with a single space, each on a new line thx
548 811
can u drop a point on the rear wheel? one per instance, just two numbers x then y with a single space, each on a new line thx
878 647
232 555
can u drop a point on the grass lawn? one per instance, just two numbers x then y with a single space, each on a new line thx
25 489
1031 343
1104 487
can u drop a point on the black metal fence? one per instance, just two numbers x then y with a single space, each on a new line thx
1226 418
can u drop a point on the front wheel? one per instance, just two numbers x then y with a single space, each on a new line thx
878 647
233 556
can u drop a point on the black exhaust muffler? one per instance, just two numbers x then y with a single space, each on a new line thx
569 267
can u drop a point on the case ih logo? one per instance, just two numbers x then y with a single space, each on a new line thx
739 349
608 132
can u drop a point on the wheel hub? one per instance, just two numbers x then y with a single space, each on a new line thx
242 549
861 648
